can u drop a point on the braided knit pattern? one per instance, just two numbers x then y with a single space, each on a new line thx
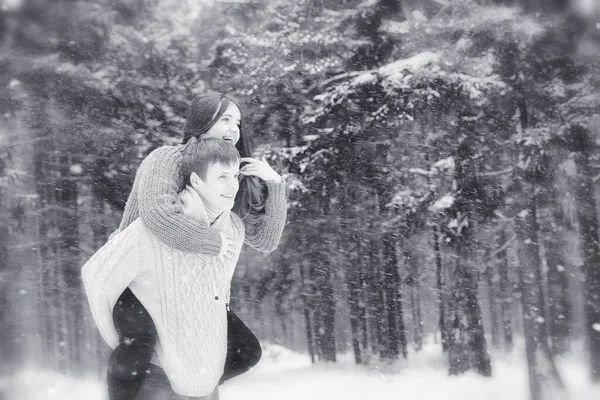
184 293
105 278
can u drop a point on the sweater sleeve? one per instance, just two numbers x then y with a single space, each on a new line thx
264 235
130 213
159 180
105 276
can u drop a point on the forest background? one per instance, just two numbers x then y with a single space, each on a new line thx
441 157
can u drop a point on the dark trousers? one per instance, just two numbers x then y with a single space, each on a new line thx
130 361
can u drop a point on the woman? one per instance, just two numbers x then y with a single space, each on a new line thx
154 199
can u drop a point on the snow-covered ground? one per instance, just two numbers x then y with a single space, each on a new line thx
283 374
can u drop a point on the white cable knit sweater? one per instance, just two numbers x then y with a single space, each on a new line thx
185 294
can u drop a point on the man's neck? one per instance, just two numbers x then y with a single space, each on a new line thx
212 216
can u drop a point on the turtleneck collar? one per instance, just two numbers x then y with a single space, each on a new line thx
212 216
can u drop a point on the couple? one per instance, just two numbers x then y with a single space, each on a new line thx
165 274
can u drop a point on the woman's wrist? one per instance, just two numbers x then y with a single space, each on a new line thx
275 179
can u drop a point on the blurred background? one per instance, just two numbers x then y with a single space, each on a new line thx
441 156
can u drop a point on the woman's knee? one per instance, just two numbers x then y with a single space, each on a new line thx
254 353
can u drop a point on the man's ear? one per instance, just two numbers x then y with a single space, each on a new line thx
194 180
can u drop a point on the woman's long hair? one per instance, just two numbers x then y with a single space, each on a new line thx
204 112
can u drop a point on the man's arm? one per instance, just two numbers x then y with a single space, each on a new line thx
106 275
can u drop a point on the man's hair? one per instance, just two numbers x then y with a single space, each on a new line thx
198 155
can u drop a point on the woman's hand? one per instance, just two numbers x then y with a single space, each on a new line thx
259 168
193 206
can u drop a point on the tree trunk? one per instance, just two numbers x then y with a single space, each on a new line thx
68 228
505 294
414 283
588 226
493 297
326 327
348 198
45 180
393 306
417 318
376 300
364 315
467 346
440 289
356 302
552 242
6 323
544 380
308 314
559 308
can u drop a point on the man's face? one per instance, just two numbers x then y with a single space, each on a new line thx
219 188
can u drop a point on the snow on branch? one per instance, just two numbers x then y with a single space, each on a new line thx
419 171
413 63
442 203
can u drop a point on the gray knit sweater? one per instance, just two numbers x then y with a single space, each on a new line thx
154 199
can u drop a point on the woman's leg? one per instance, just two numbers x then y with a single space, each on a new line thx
243 348
129 362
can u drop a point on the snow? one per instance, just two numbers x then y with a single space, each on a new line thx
442 203
586 7
283 373
445 164
364 79
419 16
413 63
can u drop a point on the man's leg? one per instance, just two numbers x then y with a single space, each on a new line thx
243 348
213 396
129 362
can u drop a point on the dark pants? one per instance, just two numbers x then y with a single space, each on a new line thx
130 361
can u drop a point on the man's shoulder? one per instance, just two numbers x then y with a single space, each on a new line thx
120 242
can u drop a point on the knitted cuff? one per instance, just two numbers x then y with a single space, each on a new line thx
211 245
277 193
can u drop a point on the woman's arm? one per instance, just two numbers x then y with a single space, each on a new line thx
159 180
265 234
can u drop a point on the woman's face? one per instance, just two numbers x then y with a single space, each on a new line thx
227 127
